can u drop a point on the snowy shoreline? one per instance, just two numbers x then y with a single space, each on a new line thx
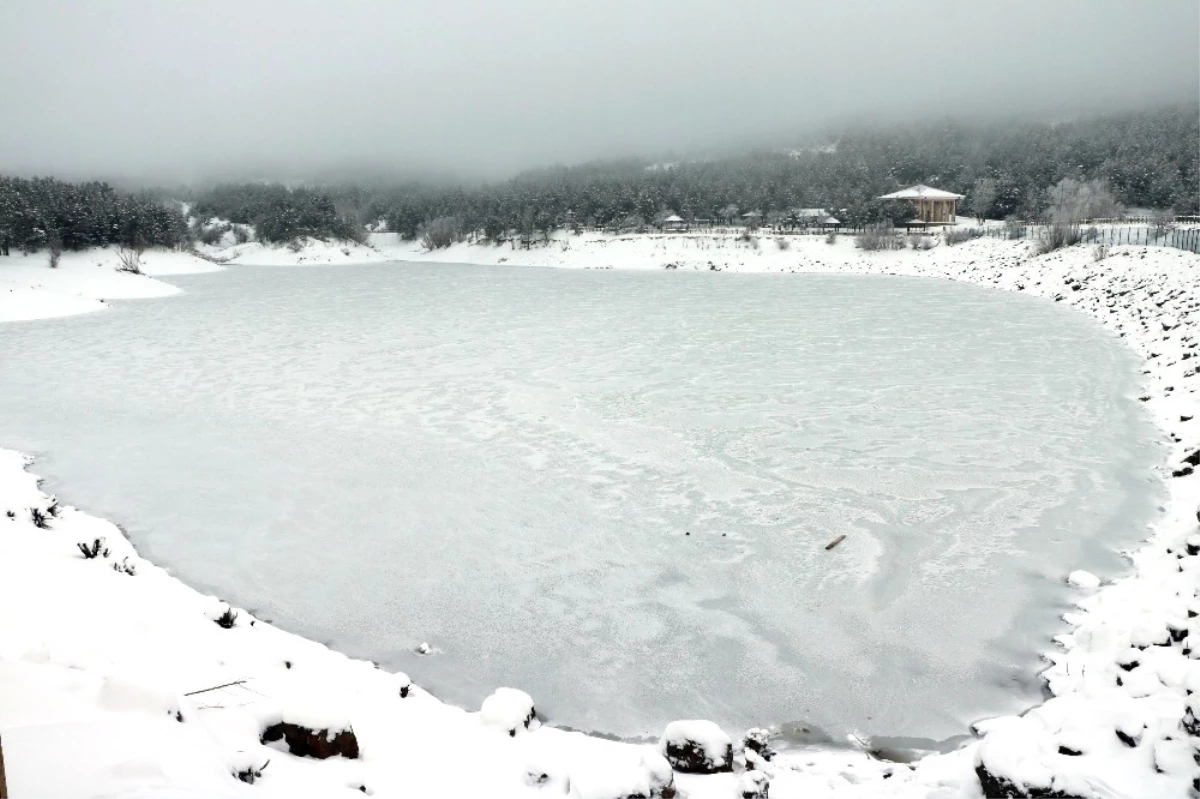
72 675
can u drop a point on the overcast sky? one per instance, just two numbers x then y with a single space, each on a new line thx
162 88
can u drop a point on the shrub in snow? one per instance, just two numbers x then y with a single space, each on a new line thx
39 519
53 510
317 743
508 709
547 780
403 684
227 619
758 741
10 514
959 236
879 236
697 747
250 774
94 549
754 785
130 260
125 566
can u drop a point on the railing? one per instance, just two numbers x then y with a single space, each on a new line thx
1179 238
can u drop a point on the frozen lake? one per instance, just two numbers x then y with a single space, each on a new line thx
613 490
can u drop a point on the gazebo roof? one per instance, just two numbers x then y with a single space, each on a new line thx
921 192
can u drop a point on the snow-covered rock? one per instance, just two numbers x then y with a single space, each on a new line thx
509 710
697 747
754 785
1083 579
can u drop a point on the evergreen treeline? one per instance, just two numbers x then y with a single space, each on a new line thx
44 212
1147 159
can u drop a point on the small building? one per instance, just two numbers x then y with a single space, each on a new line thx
814 217
675 223
752 219
933 206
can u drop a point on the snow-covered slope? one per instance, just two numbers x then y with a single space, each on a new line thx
30 289
96 664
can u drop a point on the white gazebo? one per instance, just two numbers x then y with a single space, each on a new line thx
933 206
674 222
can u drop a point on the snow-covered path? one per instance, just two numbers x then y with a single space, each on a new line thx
95 663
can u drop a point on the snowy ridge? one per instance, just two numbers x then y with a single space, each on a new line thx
100 668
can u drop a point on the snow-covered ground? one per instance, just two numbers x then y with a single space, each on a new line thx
96 664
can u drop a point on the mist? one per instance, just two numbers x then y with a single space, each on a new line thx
146 90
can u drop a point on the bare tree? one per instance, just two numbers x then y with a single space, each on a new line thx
1072 201
983 196
130 259
441 232
1163 221
54 245
1068 203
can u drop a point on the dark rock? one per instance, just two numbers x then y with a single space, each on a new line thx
305 742
1069 752
1183 472
995 787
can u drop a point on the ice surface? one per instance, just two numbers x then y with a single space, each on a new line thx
614 490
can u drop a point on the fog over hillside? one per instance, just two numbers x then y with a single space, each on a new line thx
153 91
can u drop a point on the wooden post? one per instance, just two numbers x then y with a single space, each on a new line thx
3 782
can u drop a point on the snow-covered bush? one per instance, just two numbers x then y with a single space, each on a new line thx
758 741
754 785
403 684
39 518
227 619
697 747
509 710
